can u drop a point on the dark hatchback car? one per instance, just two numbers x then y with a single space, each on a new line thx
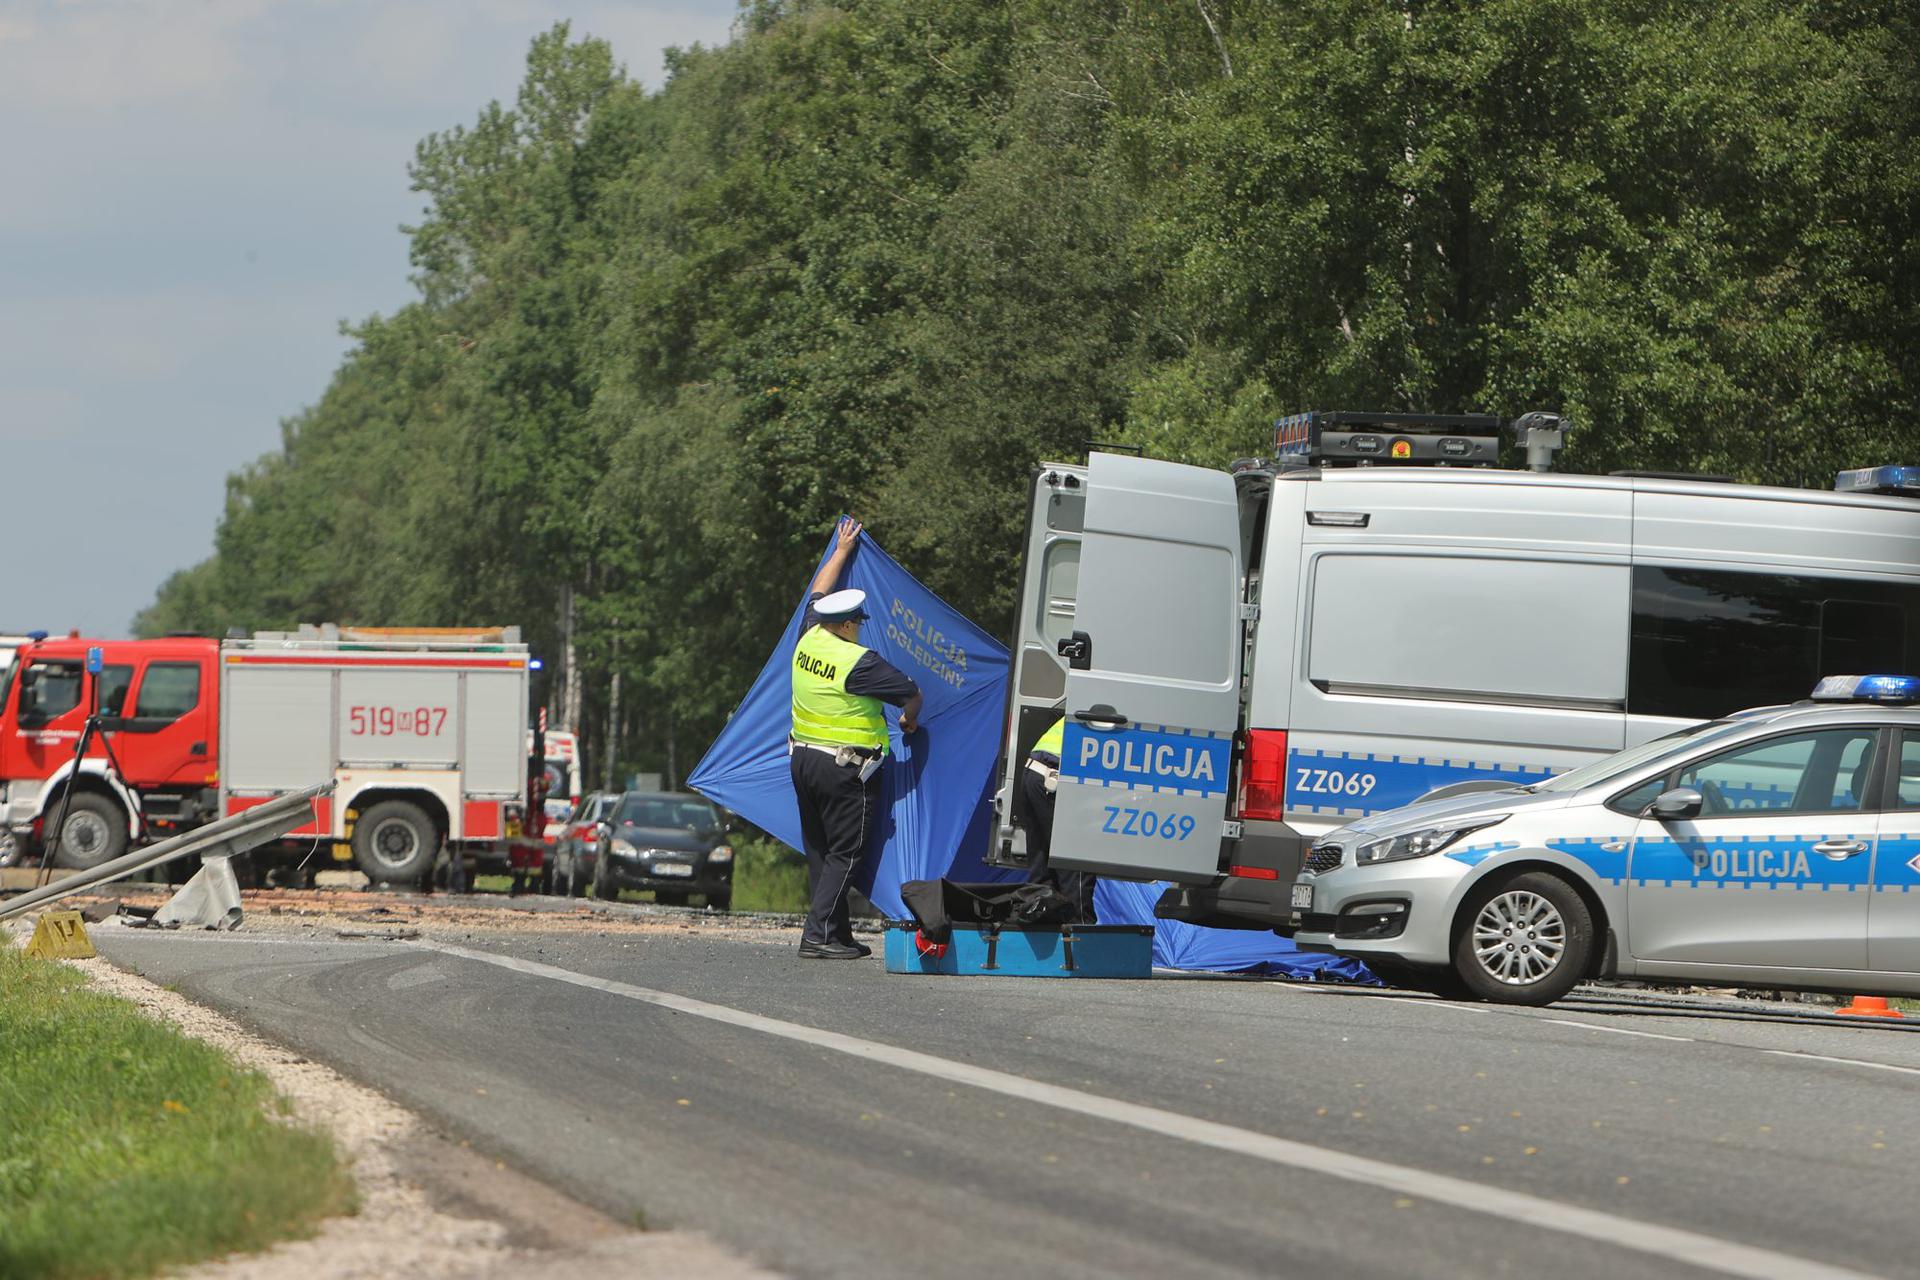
671 842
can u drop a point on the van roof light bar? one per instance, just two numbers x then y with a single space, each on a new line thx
1867 689
1901 482
1346 438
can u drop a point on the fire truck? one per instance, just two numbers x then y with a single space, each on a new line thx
422 732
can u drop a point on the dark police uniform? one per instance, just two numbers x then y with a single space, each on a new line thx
1037 783
839 737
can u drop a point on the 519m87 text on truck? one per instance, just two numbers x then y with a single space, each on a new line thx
1248 659
423 733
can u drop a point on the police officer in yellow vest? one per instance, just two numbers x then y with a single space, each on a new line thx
1038 783
838 742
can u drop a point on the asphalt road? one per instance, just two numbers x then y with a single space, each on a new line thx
828 1118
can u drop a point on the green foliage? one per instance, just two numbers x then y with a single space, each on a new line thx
126 1147
886 255
768 876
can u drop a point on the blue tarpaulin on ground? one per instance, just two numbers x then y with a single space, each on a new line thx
938 784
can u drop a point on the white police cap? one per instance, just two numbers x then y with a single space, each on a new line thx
841 606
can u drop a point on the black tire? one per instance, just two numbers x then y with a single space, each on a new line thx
94 831
722 901
670 897
1526 939
395 842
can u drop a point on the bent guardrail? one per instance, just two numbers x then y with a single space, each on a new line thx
216 840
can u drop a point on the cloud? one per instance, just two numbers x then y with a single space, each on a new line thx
98 57
194 193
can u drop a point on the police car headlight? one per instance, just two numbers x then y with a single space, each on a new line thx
1418 844
622 849
720 853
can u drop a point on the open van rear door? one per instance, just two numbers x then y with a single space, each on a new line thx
1153 686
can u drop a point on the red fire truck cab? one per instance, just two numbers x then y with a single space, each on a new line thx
159 704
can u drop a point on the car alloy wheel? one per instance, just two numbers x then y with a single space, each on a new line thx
1519 938
1525 938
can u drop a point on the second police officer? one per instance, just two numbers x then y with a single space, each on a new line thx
1038 783
838 741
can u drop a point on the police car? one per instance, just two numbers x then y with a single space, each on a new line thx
1778 847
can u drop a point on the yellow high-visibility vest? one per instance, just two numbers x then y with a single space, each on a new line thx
823 711
1053 739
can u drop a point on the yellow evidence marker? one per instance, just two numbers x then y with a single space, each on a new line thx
60 935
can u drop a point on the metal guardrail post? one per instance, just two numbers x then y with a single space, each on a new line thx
228 836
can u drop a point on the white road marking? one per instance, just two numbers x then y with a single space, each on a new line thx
1669 1243
1617 1031
1845 1062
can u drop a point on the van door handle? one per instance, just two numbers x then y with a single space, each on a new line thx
1838 849
1101 716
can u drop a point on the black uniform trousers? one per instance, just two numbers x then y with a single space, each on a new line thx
838 815
1075 886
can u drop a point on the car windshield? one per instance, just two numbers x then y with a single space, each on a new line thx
669 811
1622 762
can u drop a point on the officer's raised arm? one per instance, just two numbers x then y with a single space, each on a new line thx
828 579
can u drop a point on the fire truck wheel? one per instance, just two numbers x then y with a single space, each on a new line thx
94 832
394 842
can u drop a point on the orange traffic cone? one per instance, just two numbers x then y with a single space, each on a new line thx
1869 1007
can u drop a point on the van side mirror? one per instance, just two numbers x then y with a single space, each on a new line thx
1675 805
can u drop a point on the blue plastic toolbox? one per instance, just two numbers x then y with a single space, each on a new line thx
1058 951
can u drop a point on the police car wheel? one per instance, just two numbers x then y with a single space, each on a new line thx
1525 940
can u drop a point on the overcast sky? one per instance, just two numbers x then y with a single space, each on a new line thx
193 195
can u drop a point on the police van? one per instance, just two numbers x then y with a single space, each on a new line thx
1250 658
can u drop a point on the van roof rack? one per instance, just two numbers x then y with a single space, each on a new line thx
1349 438
1705 477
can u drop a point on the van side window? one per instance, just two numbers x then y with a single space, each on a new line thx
169 691
1707 642
1461 626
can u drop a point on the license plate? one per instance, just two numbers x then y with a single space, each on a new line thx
672 869
1303 897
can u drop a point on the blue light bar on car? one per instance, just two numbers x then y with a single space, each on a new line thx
1868 689
1903 481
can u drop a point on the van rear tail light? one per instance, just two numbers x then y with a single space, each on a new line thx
1263 776
1253 873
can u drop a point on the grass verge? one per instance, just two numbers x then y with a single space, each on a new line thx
126 1146
768 876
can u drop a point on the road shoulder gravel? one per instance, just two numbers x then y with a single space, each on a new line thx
430 1206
